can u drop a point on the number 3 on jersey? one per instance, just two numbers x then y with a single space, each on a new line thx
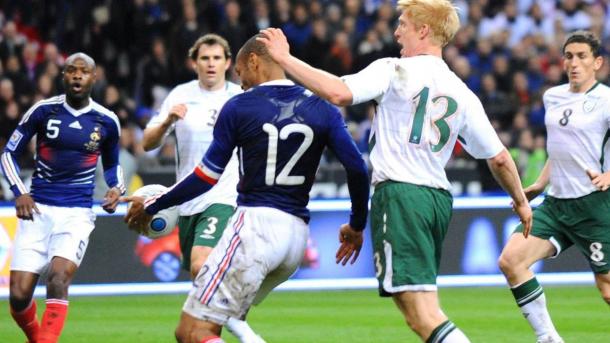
284 178
441 125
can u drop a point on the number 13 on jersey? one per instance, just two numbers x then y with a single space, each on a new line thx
444 130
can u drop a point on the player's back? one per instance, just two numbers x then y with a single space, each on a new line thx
420 114
281 131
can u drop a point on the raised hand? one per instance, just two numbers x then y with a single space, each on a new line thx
177 112
276 43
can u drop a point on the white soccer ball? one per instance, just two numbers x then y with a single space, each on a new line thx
164 222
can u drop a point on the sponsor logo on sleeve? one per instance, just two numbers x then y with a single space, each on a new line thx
14 141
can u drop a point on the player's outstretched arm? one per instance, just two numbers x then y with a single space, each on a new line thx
140 212
324 84
136 218
153 135
505 172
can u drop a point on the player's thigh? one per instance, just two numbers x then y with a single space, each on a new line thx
255 243
71 231
31 245
522 252
407 238
288 257
547 227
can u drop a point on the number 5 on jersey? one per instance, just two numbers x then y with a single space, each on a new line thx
284 178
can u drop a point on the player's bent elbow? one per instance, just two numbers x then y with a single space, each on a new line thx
148 143
340 97
500 160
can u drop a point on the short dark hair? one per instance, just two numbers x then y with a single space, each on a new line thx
210 39
586 37
256 47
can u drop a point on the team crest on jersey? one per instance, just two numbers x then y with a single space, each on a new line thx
14 141
95 137
588 105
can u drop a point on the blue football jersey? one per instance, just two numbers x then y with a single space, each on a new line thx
68 144
281 130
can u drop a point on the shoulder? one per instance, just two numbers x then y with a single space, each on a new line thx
107 114
184 89
555 94
560 90
43 105
601 89
233 88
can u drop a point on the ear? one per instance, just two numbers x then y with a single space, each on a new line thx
252 61
597 64
423 31
228 65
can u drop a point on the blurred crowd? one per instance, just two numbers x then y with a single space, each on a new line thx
507 51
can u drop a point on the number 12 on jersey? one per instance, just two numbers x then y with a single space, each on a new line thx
420 112
284 178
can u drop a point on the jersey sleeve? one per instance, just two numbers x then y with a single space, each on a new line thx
342 144
225 131
477 135
113 174
371 82
17 143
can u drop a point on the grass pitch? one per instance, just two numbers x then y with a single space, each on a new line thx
484 314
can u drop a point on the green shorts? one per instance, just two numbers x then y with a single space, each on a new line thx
584 222
203 229
409 224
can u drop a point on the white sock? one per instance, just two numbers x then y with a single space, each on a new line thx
243 332
538 316
456 336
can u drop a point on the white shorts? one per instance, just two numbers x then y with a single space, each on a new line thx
56 231
260 248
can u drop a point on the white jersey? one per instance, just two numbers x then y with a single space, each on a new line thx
194 136
577 132
422 109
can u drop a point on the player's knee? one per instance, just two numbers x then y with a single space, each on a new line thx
195 268
507 263
419 322
19 301
19 296
605 293
57 284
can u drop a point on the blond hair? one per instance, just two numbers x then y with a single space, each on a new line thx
210 39
440 15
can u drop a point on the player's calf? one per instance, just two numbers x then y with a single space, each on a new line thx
603 284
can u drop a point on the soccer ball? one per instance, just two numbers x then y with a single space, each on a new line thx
164 222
